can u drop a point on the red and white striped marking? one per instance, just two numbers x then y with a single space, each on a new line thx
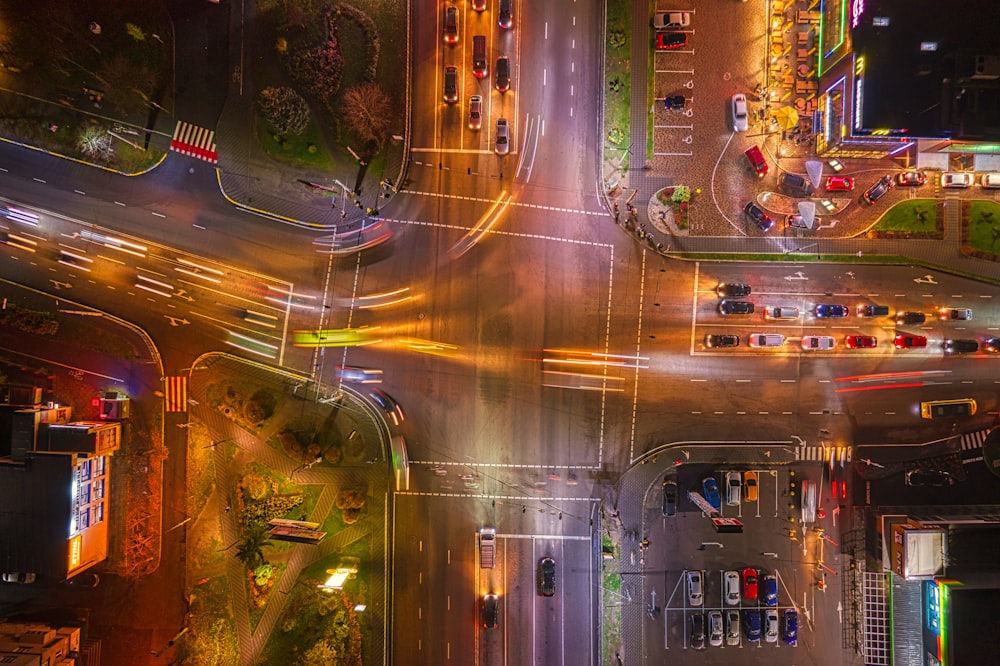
194 141
175 390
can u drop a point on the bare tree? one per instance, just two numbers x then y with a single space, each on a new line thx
366 110
95 143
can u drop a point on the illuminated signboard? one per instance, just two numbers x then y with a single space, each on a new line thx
75 545
857 9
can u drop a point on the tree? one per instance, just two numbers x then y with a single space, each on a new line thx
251 551
284 109
366 110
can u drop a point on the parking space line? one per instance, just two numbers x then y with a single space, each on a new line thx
673 126
675 154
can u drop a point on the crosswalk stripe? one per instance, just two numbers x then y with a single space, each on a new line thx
194 141
974 440
175 393
822 453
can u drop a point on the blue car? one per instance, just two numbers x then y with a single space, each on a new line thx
834 311
769 590
751 625
711 490
790 627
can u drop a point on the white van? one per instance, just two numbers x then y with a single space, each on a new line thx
766 340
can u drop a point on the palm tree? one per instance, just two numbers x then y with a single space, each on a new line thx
250 551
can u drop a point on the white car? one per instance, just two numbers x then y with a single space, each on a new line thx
766 340
991 181
732 628
957 179
732 587
715 628
771 626
694 588
813 342
740 117
734 482
671 20
503 137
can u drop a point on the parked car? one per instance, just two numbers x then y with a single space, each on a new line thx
546 577
666 41
718 340
780 312
733 290
818 342
765 340
790 626
907 341
956 314
795 185
960 346
827 311
751 625
715 630
503 137
929 477
796 221
731 585
910 318
757 162
771 626
757 214
839 184
749 486
674 102
669 496
671 20
695 588
911 177
20 578
957 179
475 112
860 342
732 628
736 307
711 491
990 181
750 584
740 112
769 594
697 621
878 190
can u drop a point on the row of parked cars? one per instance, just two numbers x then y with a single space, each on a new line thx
755 623
738 587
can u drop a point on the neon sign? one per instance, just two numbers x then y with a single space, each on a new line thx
857 9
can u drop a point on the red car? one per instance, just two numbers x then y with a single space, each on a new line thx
838 486
749 583
861 342
839 183
911 177
671 40
904 341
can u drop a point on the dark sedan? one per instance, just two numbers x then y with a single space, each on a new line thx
878 190
826 311
719 340
757 214
960 346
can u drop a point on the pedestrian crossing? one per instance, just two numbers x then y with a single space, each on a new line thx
194 141
822 453
974 440
175 392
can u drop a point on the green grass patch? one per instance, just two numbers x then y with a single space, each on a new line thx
257 600
213 630
918 216
617 98
321 624
200 467
984 226
307 150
